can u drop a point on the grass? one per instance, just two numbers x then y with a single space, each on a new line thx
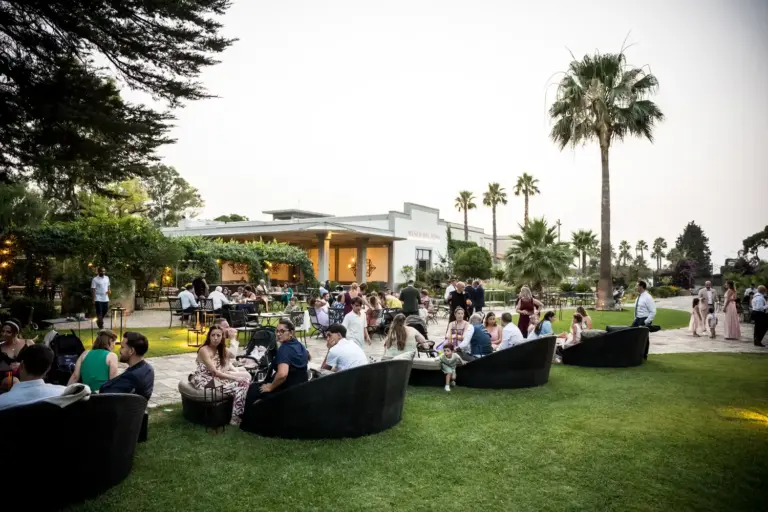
682 432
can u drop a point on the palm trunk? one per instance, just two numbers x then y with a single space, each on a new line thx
605 284
525 218
495 251
466 226
584 263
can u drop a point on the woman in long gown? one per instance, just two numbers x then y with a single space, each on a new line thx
697 323
526 307
732 326
703 309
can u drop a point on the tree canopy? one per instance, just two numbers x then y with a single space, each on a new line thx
695 245
473 263
536 256
171 197
232 217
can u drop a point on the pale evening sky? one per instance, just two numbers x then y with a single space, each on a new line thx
353 107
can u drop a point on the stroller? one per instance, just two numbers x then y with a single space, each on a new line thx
66 349
263 337
420 325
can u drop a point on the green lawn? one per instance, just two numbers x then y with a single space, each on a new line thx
682 432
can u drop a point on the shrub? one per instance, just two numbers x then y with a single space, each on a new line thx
19 308
663 292
436 277
474 262
583 287
498 274
566 287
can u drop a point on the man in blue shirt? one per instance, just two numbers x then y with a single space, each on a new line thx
139 377
35 362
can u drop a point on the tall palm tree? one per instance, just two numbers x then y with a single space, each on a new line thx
536 256
624 252
465 202
658 251
527 186
641 246
583 241
494 196
600 98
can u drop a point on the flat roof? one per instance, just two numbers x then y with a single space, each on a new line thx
295 211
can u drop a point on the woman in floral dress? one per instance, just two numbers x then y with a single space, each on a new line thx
213 363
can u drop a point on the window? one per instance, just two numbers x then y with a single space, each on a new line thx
423 259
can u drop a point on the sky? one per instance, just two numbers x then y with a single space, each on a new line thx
355 107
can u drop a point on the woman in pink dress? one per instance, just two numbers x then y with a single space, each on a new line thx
732 325
493 329
703 309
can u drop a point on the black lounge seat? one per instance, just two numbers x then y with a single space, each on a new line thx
352 403
618 348
77 452
522 366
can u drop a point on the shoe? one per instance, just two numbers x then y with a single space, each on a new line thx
759 345
447 387
453 383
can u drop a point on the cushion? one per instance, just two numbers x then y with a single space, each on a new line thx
406 355
190 392
591 333
426 363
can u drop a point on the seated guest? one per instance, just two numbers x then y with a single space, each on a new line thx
12 347
287 295
424 301
574 336
402 338
230 333
248 293
287 369
586 322
392 302
238 294
321 311
219 299
227 292
371 317
343 354
543 328
510 333
459 330
215 364
493 329
293 305
188 302
34 363
96 366
262 293
139 377
479 344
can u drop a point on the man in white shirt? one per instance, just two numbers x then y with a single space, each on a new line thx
759 315
35 362
510 333
188 302
466 343
645 307
343 354
711 296
354 323
100 292
451 288
218 298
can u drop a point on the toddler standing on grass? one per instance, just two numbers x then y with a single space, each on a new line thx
711 322
449 360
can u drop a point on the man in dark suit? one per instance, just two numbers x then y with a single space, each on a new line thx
478 296
410 296
458 299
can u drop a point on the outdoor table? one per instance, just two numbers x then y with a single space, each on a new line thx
267 316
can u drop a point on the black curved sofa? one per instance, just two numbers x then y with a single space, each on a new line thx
618 348
61 456
352 403
522 366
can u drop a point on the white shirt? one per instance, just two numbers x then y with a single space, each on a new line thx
511 336
449 290
187 299
355 325
711 320
101 285
29 392
218 298
469 330
710 296
645 307
748 291
346 354
758 302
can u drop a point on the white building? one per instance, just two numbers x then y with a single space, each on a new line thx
346 247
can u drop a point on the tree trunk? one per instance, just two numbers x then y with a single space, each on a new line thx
605 284
495 250
466 226
525 218
584 263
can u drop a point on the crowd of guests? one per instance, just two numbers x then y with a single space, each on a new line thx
704 317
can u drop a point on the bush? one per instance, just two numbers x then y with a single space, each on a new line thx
682 292
471 263
583 287
566 287
663 292
498 274
436 277
19 308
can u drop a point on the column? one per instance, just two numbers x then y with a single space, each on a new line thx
391 258
323 253
362 260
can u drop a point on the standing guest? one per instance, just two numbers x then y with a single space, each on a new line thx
364 295
12 347
759 315
348 296
459 299
645 308
731 325
493 329
711 296
510 333
543 328
200 285
703 309
458 330
219 299
139 377
696 323
355 323
478 296
96 366
343 354
402 338
35 362
748 293
214 364
100 292
526 307
188 302
586 319
449 361
410 296
712 324
450 289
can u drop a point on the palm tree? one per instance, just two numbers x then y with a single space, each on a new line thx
603 99
526 185
676 255
658 251
495 195
583 241
624 251
641 246
465 202
536 256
